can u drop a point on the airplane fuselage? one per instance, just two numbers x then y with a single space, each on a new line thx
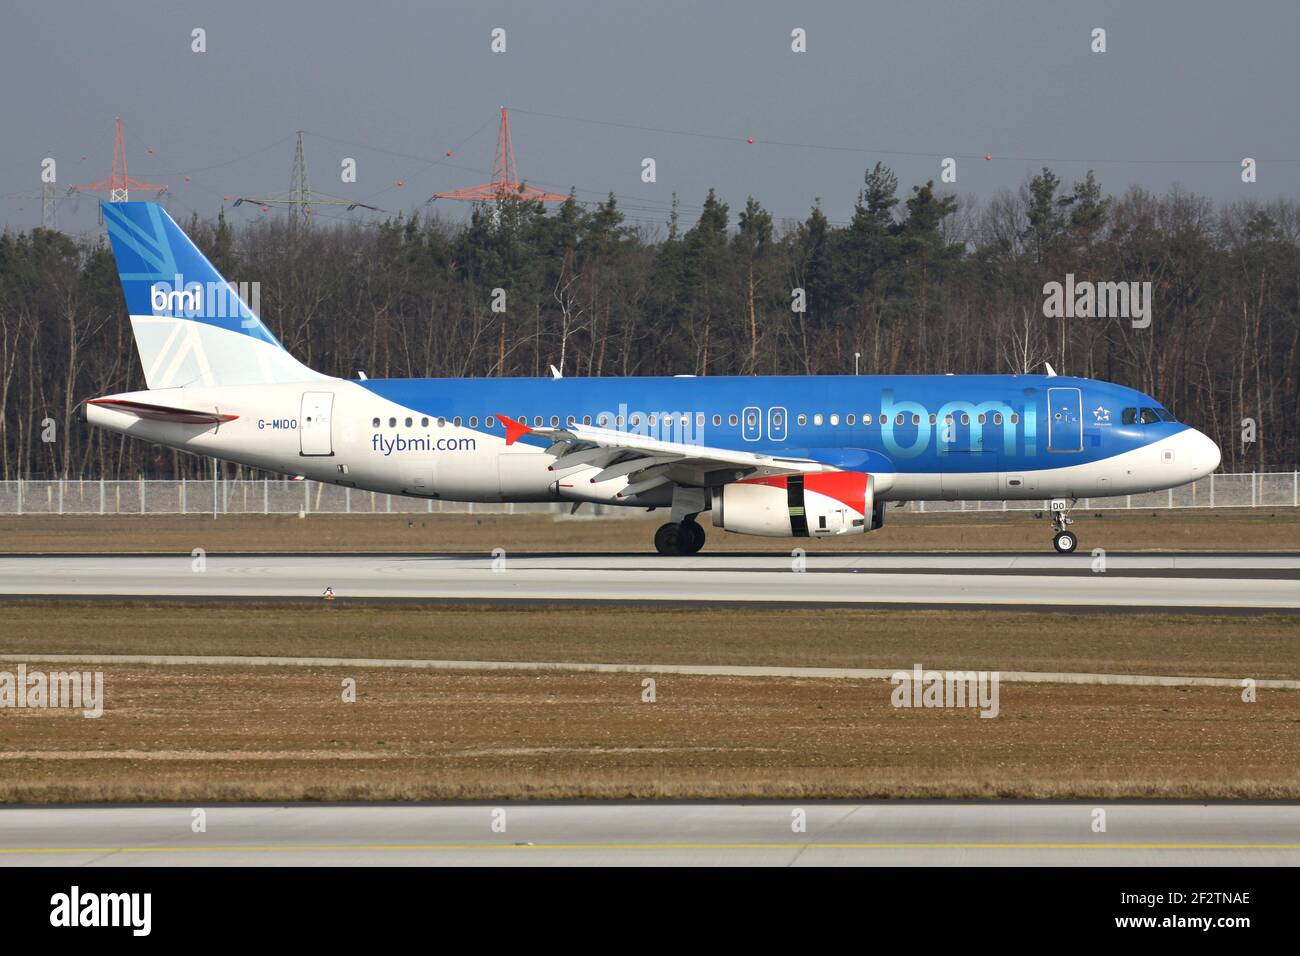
922 437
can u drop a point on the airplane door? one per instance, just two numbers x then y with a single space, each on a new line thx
751 423
776 423
1065 419
314 424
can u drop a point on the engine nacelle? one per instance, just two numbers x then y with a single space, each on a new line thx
814 505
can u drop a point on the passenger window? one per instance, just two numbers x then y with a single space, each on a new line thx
732 420
537 421
586 419
490 422
997 418
555 421
803 419
424 422
604 420
1015 418
473 421
456 421
982 419
933 418
717 419
965 419
569 420
751 419
392 423
835 419
634 420
699 419
375 423
849 419
817 418
898 419
442 422
916 419
866 418
1130 416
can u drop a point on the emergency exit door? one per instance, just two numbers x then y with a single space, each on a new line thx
314 423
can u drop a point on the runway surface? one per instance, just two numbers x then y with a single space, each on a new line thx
1206 580
1016 834
586 667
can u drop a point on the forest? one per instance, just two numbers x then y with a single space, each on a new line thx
917 281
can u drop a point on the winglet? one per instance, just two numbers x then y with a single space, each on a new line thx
1051 372
514 430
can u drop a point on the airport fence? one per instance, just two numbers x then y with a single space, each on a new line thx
222 496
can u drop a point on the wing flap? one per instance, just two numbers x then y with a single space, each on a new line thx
644 452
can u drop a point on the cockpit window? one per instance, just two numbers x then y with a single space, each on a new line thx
1146 416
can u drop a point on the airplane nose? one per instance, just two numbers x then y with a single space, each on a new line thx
1204 453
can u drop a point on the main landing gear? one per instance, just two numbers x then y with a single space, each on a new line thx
1065 540
679 537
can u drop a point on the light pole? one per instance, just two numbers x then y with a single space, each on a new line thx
856 356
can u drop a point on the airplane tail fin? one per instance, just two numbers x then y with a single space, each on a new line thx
191 326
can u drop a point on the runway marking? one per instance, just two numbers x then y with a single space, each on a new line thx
704 670
417 847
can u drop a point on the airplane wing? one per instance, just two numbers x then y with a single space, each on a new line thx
650 462
163 413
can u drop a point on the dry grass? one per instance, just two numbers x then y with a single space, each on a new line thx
218 733
206 733
1157 643
1241 529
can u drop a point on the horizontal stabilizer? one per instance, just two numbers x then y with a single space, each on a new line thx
163 413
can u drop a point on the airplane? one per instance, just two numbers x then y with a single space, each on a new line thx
777 456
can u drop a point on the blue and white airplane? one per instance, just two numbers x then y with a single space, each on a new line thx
783 456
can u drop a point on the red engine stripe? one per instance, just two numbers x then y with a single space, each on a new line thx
850 487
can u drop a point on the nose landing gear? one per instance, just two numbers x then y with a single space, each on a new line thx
1065 541
684 537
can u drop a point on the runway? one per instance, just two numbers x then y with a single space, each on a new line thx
587 667
1178 580
532 834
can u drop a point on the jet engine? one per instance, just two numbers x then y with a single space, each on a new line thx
813 505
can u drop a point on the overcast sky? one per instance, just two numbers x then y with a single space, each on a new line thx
1184 91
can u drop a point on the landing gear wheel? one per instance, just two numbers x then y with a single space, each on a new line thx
666 539
690 537
1066 540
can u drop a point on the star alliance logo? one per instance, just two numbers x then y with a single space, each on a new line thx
1101 415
